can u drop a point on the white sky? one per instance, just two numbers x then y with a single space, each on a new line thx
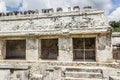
112 12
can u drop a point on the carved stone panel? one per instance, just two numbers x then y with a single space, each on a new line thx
54 23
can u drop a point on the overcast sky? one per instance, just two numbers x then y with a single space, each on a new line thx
111 7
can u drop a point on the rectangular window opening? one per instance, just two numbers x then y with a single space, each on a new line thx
49 49
15 49
116 52
84 49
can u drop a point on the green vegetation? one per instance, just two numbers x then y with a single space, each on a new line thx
115 25
116 29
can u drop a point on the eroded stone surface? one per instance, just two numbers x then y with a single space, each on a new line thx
63 26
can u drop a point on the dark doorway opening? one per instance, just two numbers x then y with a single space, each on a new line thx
49 49
15 49
116 52
84 49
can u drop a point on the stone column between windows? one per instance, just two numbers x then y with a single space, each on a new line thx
65 49
39 49
104 49
2 49
32 49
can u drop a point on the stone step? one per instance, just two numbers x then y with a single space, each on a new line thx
83 69
114 77
83 74
71 78
118 73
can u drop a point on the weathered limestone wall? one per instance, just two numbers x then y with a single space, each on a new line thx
104 48
9 72
49 23
115 38
32 49
65 49
2 49
116 45
64 26
74 22
53 70
5 74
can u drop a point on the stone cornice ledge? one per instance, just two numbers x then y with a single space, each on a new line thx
54 32
10 66
49 15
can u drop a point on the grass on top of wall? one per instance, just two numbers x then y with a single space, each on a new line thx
116 29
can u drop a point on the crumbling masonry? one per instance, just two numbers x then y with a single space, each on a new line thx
56 45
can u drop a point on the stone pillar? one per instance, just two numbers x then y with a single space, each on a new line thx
2 49
104 48
32 49
39 49
65 49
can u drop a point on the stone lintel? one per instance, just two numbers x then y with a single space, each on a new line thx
54 32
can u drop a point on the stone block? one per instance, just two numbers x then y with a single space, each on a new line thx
5 74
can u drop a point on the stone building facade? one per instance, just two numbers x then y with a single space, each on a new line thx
116 45
35 45
76 35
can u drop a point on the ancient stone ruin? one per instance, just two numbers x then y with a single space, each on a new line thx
57 45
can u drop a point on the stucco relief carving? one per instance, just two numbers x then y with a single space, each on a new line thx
79 22
27 25
98 22
58 23
74 23
84 22
64 24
